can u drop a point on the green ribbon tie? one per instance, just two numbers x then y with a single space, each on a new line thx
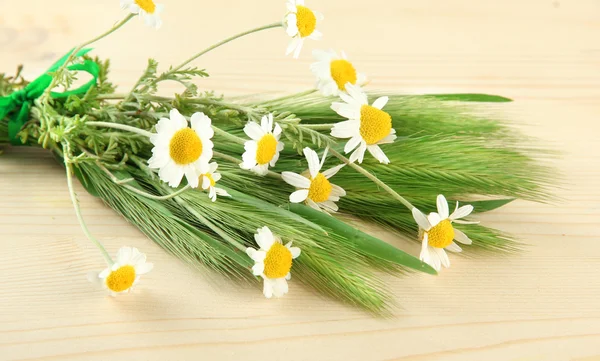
24 98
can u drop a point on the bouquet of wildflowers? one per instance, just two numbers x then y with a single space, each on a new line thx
258 190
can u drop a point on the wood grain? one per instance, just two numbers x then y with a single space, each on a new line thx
540 305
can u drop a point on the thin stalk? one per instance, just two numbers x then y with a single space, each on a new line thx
373 178
81 46
316 126
123 183
212 47
152 196
86 231
124 127
205 101
278 101
231 137
113 96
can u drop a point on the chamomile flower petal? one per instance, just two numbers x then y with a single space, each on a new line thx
421 219
367 125
299 196
461 212
274 267
453 247
461 237
442 206
437 233
258 269
312 158
378 154
264 148
333 171
300 23
124 273
315 189
380 102
333 72
179 150
296 180
208 180
148 10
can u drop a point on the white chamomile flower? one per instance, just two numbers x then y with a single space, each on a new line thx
263 150
148 10
334 72
367 126
300 23
273 262
314 187
437 233
180 150
124 273
209 178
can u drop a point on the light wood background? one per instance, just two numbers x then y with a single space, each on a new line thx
540 305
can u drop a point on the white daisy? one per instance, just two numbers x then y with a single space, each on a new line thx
180 150
334 72
273 262
209 177
300 23
314 187
263 150
148 10
437 233
367 126
124 273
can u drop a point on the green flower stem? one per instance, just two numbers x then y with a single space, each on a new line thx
89 42
69 168
124 127
210 48
204 101
316 126
122 183
279 101
373 178
229 136
238 161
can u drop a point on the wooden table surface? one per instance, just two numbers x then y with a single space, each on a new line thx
540 305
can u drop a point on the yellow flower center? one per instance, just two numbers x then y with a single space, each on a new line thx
147 5
185 146
343 72
441 235
267 147
375 124
320 188
121 279
306 21
278 261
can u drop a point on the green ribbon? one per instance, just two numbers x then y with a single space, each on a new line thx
24 98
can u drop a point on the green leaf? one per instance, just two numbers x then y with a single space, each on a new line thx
488 205
367 243
85 181
471 97
258 203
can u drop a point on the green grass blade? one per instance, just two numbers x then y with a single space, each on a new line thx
488 205
260 204
471 97
365 242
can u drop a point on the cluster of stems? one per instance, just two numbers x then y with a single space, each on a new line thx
170 193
